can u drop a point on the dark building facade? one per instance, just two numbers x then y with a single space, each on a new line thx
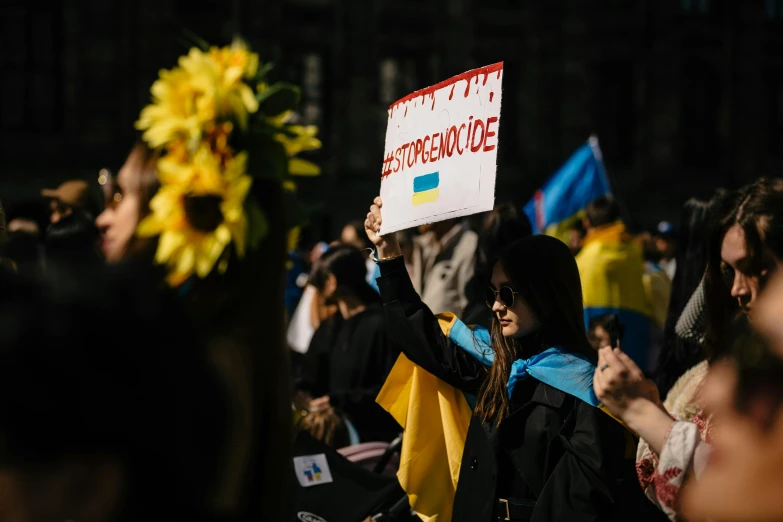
684 95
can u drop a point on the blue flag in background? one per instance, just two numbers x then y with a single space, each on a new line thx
579 181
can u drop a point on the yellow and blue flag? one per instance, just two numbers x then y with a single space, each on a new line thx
611 268
425 188
562 199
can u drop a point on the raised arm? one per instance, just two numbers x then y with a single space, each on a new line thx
411 326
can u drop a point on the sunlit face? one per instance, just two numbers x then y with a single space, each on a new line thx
119 221
736 265
518 320
742 480
768 317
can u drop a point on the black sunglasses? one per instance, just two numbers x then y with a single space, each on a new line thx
506 294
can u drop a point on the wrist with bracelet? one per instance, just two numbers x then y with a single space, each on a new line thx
377 259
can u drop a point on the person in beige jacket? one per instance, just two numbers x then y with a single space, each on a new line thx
443 263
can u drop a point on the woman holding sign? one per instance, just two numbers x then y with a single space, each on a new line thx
538 448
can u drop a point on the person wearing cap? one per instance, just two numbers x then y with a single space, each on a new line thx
72 195
666 243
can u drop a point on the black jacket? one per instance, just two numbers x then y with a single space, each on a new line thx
349 360
554 451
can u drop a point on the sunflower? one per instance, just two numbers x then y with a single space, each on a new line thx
221 73
197 212
179 110
197 109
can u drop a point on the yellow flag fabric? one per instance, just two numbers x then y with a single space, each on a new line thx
435 417
562 229
611 268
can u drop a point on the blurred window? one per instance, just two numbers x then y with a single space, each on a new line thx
614 110
774 9
699 114
695 6
30 69
312 89
773 100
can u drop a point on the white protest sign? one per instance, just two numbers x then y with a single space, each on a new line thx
441 151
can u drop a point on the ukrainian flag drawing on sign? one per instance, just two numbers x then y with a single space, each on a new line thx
425 189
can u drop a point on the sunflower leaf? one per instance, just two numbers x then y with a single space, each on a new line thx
267 158
278 98
300 167
263 70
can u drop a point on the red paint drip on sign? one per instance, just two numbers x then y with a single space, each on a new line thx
451 94
491 95
467 76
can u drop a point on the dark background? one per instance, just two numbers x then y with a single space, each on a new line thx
684 95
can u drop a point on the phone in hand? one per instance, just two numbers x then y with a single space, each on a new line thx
615 329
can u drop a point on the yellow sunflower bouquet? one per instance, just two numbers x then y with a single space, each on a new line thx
219 124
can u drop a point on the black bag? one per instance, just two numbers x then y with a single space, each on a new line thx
353 495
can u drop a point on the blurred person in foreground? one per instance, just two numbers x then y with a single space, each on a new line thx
200 201
224 310
443 264
611 269
743 479
108 410
744 247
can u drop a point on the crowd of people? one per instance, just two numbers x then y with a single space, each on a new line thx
680 353
680 342
152 363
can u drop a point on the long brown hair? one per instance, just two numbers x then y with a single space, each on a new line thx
544 272
758 209
328 426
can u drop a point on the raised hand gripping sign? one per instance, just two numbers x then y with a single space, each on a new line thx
441 151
